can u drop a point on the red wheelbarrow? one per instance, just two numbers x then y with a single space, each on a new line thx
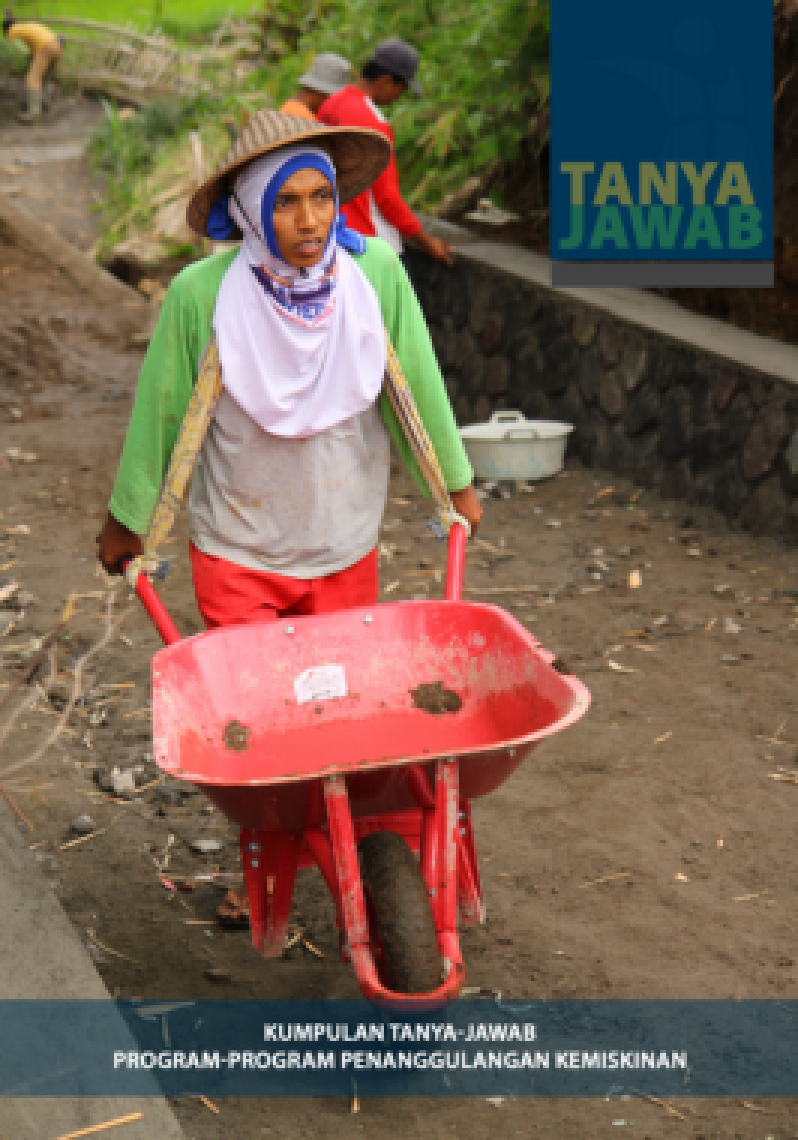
352 742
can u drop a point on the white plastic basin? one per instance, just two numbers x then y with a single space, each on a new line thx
509 446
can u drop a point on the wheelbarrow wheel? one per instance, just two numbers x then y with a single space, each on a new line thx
399 913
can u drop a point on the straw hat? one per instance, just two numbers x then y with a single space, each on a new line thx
358 155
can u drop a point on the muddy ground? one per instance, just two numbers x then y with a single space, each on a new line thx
44 167
664 790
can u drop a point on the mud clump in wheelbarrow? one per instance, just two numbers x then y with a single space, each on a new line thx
236 736
436 699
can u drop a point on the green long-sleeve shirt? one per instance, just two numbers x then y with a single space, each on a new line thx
172 362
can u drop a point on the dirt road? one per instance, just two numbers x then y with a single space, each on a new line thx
647 852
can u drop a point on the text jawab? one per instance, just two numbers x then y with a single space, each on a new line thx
666 228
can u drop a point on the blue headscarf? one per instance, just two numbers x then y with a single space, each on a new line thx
221 226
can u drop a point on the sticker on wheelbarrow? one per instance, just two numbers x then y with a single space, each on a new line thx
322 683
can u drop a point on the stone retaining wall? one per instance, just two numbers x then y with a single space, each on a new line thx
644 405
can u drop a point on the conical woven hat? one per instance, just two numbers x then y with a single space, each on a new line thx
358 155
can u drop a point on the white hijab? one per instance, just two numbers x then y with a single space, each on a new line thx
300 350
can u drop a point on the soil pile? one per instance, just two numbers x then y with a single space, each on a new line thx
436 699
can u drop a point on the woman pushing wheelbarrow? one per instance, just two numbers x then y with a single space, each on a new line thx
336 732
292 477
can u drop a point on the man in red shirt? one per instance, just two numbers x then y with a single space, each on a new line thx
381 211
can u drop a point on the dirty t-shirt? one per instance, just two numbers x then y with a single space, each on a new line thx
304 508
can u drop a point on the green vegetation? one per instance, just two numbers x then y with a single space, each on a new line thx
484 68
150 167
175 16
129 149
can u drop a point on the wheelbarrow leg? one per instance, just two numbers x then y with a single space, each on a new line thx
444 899
252 858
349 894
469 887
428 843
322 851
429 853
270 863
441 841
282 852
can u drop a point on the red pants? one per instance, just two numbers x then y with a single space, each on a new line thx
228 594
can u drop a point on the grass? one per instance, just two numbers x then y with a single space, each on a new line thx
148 163
178 17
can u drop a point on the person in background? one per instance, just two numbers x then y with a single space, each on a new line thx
328 74
45 48
381 211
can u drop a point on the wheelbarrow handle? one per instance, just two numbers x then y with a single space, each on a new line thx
455 563
158 614
155 608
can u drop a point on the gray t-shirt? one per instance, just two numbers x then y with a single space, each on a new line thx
304 508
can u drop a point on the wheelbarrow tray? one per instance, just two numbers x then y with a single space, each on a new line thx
226 715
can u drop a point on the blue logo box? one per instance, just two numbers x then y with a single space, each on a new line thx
662 143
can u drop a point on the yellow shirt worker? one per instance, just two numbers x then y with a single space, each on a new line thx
45 48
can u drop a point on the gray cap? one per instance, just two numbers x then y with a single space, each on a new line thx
401 60
328 74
